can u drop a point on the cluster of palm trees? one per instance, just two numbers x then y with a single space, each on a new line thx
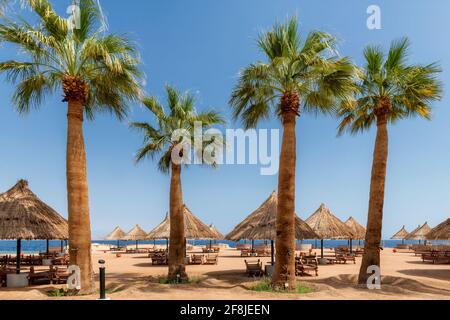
99 72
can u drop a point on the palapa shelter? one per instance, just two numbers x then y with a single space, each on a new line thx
419 233
261 225
327 226
217 233
135 234
440 232
116 234
400 235
358 231
162 231
194 228
24 216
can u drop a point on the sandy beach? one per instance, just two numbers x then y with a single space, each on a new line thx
132 276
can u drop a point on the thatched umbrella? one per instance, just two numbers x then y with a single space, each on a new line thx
400 235
162 231
328 226
441 232
24 216
116 234
261 225
358 231
218 234
419 233
194 228
135 234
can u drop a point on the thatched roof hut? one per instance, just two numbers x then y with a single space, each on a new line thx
261 224
440 232
419 233
162 231
116 234
401 234
135 234
328 226
218 234
358 231
24 216
194 228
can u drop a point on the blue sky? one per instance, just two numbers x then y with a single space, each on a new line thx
201 45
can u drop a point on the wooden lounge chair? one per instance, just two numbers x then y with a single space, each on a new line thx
61 261
246 252
262 251
343 258
254 268
158 258
303 266
59 276
436 257
39 277
212 259
197 259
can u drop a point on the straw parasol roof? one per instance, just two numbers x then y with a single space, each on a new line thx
328 226
400 235
419 233
261 224
162 231
359 232
116 234
441 232
24 216
216 232
194 228
135 234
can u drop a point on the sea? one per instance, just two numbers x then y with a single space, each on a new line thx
36 246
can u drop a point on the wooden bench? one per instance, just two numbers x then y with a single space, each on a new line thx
305 265
254 268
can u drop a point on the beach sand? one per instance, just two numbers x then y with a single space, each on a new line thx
132 276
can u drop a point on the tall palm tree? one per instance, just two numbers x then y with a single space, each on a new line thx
95 72
176 129
308 73
390 89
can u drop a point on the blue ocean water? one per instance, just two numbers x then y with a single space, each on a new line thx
36 246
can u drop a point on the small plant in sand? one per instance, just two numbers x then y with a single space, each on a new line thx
266 286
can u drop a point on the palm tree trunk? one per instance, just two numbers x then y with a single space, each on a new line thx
77 195
177 246
375 216
284 272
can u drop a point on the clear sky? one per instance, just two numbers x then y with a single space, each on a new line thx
200 45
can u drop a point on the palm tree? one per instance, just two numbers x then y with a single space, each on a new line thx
176 131
96 73
389 89
296 72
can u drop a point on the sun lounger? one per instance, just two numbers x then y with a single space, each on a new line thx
59 276
262 251
436 257
197 259
212 259
254 268
303 266
343 258
158 258
38 277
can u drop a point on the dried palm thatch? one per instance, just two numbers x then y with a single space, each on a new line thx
401 234
194 228
358 231
116 234
135 234
216 232
328 226
24 216
440 232
419 233
162 231
261 224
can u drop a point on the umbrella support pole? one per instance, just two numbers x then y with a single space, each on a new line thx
272 261
19 252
